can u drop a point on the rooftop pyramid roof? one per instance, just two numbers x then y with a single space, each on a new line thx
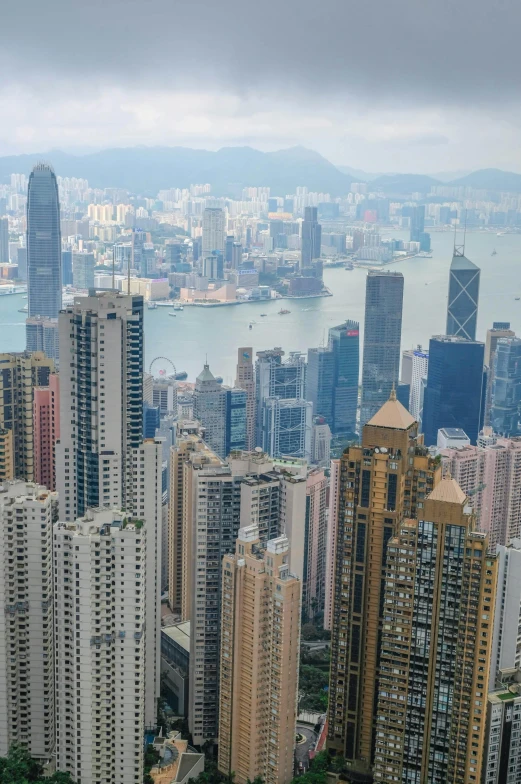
393 415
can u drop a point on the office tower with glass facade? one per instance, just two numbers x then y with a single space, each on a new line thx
434 662
26 622
210 408
320 380
311 237
344 342
456 386
506 387
42 335
382 336
420 366
374 488
245 379
20 375
83 270
236 420
44 275
259 660
500 329
462 311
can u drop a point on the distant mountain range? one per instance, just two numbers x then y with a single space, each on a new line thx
146 170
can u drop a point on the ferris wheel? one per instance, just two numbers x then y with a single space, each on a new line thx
160 367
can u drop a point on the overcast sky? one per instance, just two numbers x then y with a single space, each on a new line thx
381 85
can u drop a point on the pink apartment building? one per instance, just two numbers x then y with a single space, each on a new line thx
46 412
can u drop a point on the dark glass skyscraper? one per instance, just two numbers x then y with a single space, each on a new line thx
506 387
44 271
311 237
462 312
344 342
382 335
454 395
320 382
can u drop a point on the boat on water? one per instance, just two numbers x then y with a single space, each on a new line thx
494 252
250 326
264 314
349 266
172 314
283 312
517 299
178 307
152 305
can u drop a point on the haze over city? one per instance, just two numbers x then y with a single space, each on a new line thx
397 86
260 392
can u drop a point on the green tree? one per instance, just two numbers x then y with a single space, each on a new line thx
19 768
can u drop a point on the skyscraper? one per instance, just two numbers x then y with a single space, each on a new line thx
286 427
417 223
210 406
214 231
420 366
83 270
381 482
101 657
101 459
344 342
4 240
46 417
434 662
454 396
259 656
6 454
26 623
500 329
506 387
314 582
236 419
320 381
42 335
382 336
245 379
44 276
20 375
277 379
462 310
101 405
311 237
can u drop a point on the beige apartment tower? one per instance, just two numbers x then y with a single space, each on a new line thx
259 660
245 379
381 482
440 589
6 454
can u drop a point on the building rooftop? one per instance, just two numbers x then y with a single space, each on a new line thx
454 432
460 262
448 490
206 374
179 633
392 415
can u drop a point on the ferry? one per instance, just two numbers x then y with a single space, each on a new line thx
424 254
264 314
283 312
172 314
178 307
152 305
6 289
250 326
349 266
494 252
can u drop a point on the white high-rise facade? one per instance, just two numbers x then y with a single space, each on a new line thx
214 230
101 401
101 458
420 365
26 619
100 595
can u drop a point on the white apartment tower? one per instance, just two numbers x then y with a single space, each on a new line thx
420 366
214 230
26 621
100 616
101 459
101 401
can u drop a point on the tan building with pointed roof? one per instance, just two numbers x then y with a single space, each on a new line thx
435 661
382 482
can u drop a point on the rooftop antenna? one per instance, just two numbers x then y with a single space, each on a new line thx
459 250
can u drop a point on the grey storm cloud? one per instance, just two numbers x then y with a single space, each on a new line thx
451 52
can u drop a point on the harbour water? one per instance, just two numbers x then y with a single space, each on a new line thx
217 332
